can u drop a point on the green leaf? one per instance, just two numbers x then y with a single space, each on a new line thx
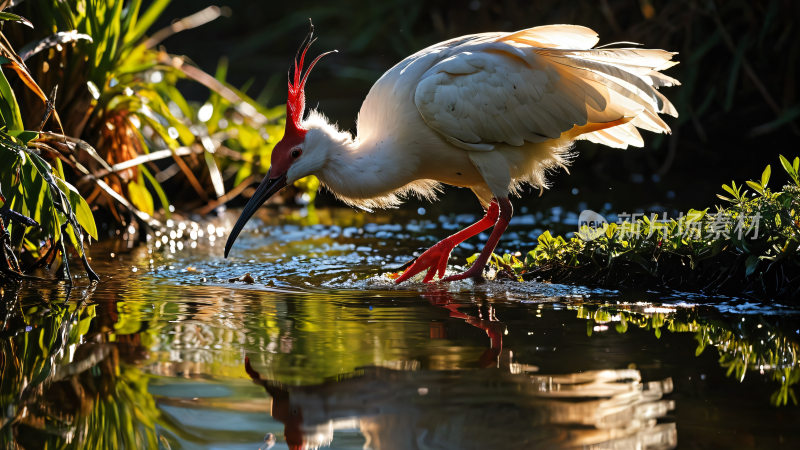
755 186
145 114
765 176
50 217
244 171
750 264
129 16
610 229
162 197
70 232
140 197
81 209
8 161
37 199
24 136
787 166
15 18
472 259
699 350
145 21
729 190
9 108
694 215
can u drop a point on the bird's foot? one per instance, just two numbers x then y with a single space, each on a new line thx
433 259
475 272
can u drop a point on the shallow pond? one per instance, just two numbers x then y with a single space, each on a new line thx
179 348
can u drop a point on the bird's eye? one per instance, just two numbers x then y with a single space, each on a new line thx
296 153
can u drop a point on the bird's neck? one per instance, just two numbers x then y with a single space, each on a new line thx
363 172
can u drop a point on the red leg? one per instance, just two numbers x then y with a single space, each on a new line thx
435 258
476 271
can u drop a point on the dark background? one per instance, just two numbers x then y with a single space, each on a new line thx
738 101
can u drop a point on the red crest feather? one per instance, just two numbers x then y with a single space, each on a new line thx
296 101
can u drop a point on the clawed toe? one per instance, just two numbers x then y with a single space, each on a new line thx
434 260
405 266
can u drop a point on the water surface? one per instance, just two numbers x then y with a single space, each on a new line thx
178 348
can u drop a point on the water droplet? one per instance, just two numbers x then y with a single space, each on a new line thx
156 76
205 112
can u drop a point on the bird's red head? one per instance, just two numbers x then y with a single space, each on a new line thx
289 148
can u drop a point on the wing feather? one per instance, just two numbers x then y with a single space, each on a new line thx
536 84
556 36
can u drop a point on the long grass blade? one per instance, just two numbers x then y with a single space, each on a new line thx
9 108
145 21
60 38
195 20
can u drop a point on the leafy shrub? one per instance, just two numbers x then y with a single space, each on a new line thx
112 129
748 247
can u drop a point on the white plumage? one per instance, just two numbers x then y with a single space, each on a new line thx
489 112
503 93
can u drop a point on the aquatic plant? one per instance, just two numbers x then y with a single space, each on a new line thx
118 89
128 134
41 211
747 247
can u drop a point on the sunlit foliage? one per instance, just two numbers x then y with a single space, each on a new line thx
749 246
93 124
40 210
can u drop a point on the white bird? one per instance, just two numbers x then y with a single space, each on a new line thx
490 111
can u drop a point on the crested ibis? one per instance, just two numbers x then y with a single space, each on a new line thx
491 112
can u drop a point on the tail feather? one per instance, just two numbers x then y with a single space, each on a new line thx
658 79
614 77
641 60
668 107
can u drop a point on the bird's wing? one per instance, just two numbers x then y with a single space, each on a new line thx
544 83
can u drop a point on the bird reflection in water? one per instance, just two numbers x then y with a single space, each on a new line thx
502 405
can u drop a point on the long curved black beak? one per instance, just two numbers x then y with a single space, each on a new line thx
267 188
